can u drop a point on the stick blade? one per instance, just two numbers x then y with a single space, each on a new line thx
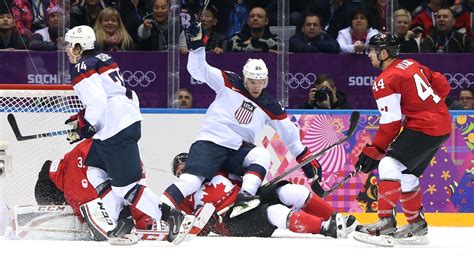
14 125
354 120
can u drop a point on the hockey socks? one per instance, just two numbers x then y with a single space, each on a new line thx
389 195
318 207
302 222
411 205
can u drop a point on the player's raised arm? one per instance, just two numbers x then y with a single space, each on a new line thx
197 64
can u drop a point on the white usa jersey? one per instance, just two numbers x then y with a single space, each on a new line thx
110 106
235 116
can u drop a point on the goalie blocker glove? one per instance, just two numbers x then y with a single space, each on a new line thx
311 169
369 158
82 129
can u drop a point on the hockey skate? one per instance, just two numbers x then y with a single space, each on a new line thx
336 226
179 225
412 234
379 233
351 223
122 233
244 203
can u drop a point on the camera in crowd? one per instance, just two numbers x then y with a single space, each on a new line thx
322 94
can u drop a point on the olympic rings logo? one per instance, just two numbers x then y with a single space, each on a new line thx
460 80
133 79
300 80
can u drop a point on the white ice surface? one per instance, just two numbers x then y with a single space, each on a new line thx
448 247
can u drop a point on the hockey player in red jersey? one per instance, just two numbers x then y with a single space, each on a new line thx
409 96
284 205
65 181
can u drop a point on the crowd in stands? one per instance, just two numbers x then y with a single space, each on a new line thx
322 26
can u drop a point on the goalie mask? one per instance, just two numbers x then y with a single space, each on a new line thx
178 159
255 69
82 35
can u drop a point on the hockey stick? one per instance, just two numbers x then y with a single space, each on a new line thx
206 3
19 137
353 124
315 186
338 184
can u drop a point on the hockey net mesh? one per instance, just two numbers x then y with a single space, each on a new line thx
37 109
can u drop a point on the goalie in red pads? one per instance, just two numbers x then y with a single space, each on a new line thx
412 96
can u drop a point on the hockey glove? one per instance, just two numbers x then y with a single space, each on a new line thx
194 35
81 128
369 158
311 169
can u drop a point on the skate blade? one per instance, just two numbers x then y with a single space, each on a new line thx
186 226
250 205
126 240
381 240
414 240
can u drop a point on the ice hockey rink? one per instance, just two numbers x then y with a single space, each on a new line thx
448 246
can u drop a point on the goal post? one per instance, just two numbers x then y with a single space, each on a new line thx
37 109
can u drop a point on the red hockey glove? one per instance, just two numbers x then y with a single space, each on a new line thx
369 158
81 128
311 169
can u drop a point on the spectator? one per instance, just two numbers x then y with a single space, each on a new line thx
133 13
312 38
408 41
9 36
29 19
446 39
213 40
335 14
184 99
424 15
465 19
466 97
153 33
354 38
237 18
86 12
323 94
256 35
110 32
48 39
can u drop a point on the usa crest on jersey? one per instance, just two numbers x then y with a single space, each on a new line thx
244 113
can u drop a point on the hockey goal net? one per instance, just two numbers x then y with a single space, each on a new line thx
37 109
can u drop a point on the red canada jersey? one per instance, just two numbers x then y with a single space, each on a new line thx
70 176
410 94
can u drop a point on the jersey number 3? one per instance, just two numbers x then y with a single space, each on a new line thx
424 90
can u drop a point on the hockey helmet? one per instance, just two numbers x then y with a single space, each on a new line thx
384 40
82 35
255 69
178 159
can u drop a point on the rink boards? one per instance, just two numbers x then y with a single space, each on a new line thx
447 184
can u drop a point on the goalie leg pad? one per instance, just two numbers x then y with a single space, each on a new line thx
97 218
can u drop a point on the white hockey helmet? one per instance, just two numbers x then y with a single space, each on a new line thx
255 69
82 35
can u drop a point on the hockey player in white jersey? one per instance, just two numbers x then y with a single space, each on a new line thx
112 118
241 108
